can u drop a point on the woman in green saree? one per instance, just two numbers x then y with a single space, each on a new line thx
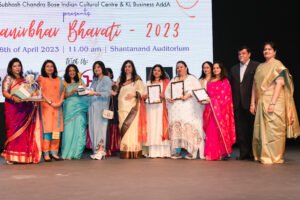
75 116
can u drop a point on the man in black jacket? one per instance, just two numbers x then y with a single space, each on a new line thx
241 80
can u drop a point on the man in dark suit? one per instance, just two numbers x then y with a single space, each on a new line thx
241 80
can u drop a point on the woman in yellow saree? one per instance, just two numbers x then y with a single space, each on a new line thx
274 108
132 114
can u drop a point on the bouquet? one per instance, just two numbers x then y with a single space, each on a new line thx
28 90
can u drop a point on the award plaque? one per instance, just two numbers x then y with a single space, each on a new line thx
201 94
177 90
82 91
154 94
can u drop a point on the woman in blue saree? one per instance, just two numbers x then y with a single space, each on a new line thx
75 116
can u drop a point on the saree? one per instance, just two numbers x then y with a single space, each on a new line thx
132 120
218 118
185 120
23 128
75 121
271 129
157 126
97 123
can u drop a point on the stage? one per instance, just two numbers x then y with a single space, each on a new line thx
152 179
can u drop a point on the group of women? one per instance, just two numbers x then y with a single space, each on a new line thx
176 128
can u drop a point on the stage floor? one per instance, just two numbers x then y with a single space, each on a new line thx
152 179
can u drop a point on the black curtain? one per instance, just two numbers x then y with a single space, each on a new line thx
253 22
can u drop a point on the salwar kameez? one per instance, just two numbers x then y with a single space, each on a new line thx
52 117
157 127
185 120
97 123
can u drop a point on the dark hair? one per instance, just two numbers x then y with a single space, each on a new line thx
203 75
123 74
43 70
10 65
223 74
272 44
102 65
163 73
244 47
182 62
111 72
67 77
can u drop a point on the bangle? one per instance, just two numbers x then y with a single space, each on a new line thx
272 104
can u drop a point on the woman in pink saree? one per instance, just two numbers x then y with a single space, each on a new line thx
22 121
218 118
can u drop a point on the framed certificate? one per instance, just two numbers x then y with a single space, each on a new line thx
177 90
154 94
201 94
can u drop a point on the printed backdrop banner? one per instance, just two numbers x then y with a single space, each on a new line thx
82 32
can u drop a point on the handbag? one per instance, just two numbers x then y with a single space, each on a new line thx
109 113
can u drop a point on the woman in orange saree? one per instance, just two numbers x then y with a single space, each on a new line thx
22 121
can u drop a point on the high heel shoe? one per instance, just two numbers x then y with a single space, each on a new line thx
47 159
10 162
56 158
100 155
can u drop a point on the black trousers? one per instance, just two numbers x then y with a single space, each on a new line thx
244 122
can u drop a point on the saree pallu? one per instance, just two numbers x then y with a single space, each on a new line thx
75 121
23 130
218 121
131 120
271 129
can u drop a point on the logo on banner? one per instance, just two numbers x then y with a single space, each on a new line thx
187 6
87 76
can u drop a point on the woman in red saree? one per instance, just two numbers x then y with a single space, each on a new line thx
218 118
22 121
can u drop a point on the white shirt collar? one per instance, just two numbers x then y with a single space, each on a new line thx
246 64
